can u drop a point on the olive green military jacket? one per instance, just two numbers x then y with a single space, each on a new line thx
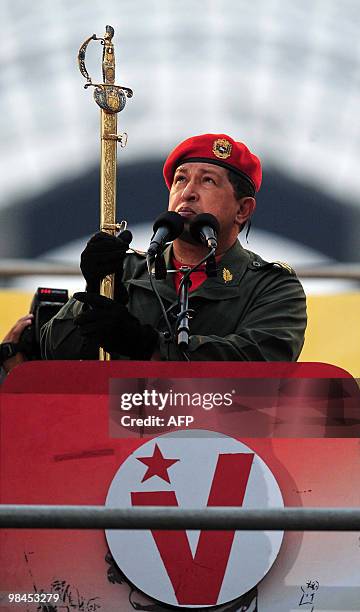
251 311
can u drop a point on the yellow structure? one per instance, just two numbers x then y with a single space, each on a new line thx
333 332
13 305
332 336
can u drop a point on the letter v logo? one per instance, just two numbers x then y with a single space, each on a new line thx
196 470
197 580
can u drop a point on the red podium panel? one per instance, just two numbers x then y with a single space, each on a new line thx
62 442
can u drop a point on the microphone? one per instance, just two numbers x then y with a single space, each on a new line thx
167 227
204 228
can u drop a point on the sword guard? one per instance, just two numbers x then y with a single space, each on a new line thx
111 98
81 57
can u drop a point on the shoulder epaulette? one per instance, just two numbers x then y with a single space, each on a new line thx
284 266
257 263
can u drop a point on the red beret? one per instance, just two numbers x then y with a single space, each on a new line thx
218 149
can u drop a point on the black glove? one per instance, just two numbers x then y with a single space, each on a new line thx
104 254
111 325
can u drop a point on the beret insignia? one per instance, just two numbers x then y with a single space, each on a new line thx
222 148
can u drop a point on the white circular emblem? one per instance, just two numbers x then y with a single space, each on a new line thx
194 469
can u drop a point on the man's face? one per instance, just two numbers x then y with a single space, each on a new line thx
205 188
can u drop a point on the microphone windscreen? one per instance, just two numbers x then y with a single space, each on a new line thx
172 221
200 221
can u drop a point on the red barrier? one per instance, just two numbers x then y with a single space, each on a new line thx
298 423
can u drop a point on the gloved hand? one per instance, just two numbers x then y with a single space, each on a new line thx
111 325
104 254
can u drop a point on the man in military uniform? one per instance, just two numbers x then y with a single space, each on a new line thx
250 311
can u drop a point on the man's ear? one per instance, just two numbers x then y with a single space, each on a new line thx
246 207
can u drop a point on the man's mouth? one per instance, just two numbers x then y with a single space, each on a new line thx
185 211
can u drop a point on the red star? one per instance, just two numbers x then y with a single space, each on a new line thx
157 465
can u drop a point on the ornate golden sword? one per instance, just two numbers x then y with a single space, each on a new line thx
112 99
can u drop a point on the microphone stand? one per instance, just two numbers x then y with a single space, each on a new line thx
183 329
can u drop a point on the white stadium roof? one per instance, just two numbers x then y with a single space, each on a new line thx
282 76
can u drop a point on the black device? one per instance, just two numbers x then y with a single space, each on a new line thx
205 228
167 227
45 304
8 350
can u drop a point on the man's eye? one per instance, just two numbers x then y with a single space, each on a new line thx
179 178
209 179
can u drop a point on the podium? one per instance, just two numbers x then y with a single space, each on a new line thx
280 434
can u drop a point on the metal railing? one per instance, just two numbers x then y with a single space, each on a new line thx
24 267
231 518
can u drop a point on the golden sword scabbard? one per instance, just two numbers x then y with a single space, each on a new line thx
112 99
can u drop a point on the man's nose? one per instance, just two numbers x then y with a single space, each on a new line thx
190 192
